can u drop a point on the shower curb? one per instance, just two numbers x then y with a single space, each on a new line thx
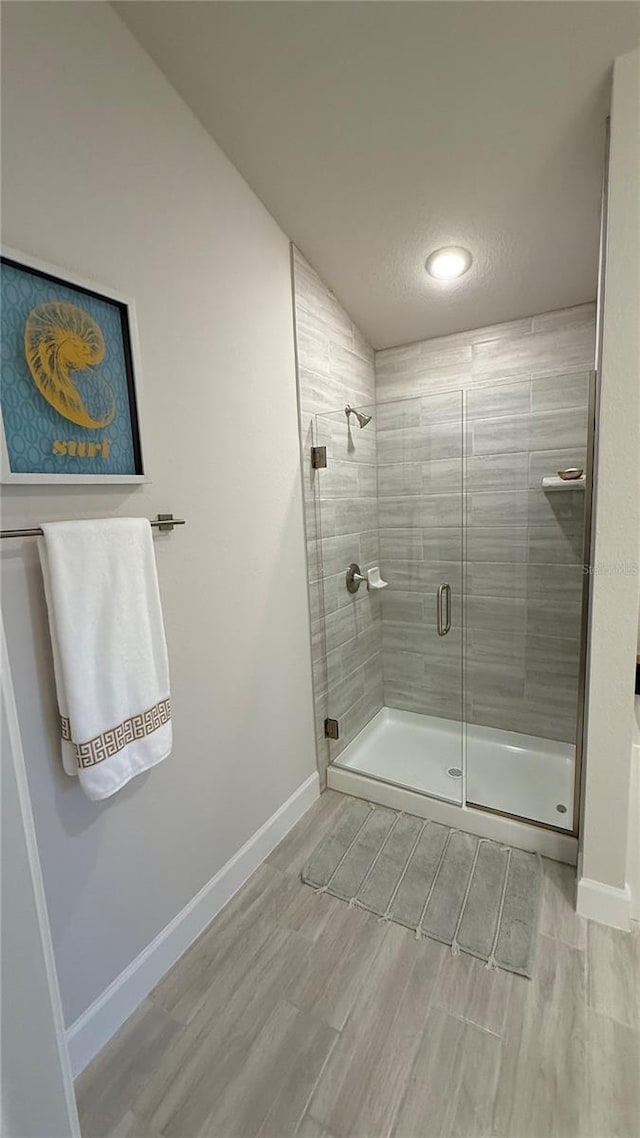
481 823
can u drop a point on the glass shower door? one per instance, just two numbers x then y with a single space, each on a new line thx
390 500
525 584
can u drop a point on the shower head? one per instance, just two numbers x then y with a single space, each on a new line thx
360 416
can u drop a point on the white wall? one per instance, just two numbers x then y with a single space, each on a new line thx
32 1025
614 614
108 174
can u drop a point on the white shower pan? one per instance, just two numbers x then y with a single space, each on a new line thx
522 775
409 750
519 775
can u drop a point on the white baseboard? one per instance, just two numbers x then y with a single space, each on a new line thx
604 903
93 1029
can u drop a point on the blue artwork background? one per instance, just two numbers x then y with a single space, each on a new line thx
31 424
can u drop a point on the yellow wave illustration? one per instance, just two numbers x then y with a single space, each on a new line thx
60 339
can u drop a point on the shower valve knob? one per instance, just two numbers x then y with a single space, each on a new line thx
354 578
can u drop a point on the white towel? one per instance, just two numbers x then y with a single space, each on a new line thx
109 649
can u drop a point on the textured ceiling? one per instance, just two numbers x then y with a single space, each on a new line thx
376 132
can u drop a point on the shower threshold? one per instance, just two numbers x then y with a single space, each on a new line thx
522 776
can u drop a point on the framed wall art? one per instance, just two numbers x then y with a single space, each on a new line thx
69 394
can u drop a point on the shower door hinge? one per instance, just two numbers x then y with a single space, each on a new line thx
331 730
318 458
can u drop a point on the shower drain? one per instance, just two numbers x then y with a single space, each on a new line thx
561 809
454 772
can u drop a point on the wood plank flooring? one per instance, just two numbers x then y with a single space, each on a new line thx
294 1016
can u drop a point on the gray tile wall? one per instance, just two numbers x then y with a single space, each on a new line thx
540 346
525 389
534 602
420 511
335 367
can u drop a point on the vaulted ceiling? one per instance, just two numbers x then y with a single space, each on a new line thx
377 132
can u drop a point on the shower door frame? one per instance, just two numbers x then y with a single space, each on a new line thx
589 492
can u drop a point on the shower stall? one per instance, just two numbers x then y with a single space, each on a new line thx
448 613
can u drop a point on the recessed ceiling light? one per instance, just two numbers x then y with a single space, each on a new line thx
448 263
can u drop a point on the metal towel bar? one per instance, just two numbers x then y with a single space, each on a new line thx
163 522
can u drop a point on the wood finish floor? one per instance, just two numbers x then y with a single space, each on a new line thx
293 1015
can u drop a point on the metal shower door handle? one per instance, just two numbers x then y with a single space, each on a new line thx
443 619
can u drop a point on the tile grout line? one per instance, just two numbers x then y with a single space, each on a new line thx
468 1022
337 1036
394 1018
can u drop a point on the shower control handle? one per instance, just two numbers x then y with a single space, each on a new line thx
443 609
354 578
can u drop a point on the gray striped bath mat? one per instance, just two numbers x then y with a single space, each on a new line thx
474 894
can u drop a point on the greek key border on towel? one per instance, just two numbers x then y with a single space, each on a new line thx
116 738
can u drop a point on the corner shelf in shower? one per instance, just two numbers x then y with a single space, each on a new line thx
555 483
